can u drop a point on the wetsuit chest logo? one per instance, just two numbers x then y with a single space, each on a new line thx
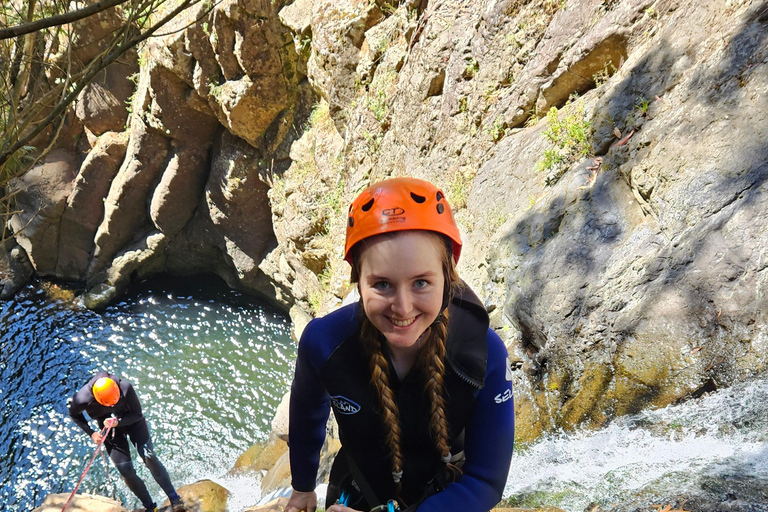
344 405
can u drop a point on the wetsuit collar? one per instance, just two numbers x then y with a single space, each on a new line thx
466 350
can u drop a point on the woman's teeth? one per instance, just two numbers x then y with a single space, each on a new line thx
403 323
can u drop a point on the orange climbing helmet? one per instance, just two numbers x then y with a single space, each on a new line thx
400 204
106 391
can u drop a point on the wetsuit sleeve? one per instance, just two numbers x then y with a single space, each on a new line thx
309 411
133 412
489 440
76 407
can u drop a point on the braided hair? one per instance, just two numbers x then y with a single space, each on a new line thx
431 360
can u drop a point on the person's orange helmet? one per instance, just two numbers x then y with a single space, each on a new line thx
400 204
106 391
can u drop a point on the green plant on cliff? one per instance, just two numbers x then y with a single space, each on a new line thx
215 89
604 74
377 104
497 130
130 102
642 106
471 69
552 6
459 188
381 88
373 141
319 114
569 137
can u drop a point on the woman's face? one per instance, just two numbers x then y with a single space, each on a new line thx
401 284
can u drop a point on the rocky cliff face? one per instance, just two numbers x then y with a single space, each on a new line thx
606 160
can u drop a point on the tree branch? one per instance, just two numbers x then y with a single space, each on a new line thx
98 64
59 19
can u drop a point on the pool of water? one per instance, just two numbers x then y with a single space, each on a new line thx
210 366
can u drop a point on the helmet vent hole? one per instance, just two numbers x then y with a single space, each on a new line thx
419 199
351 222
367 206
440 208
440 196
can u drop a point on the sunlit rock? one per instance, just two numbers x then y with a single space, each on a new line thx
79 503
260 457
203 496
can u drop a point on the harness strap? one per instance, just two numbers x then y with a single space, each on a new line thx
361 482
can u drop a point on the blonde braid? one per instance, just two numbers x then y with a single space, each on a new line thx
432 360
389 412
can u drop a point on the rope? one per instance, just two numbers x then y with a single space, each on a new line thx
106 470
104 434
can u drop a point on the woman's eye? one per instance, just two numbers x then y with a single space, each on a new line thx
381 285
421 283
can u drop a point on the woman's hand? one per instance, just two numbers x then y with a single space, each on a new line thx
302 501
96 437
340 508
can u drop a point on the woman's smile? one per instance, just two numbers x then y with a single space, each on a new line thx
403 323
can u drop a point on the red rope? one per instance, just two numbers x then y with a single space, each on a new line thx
104 434
106 470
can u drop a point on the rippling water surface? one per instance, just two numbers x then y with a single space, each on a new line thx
210 367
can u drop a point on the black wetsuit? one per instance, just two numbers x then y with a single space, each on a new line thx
131 425
332 372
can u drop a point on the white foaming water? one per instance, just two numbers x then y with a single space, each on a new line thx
676 451
245 490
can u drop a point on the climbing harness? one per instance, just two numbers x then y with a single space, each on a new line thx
390 506
104 434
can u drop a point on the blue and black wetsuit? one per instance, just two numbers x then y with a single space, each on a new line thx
332 371
131 425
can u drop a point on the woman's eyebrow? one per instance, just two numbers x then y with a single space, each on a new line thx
374 277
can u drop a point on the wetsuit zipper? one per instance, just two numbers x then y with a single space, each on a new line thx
463 377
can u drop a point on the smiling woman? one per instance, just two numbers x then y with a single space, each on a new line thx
416 379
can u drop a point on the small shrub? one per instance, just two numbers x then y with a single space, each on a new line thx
569 136
602 76
377 104
306 43
129 102
319 114
373 141
472 68
642 106
497 130
458 190
215 90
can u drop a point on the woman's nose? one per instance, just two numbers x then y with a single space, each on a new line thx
401 303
